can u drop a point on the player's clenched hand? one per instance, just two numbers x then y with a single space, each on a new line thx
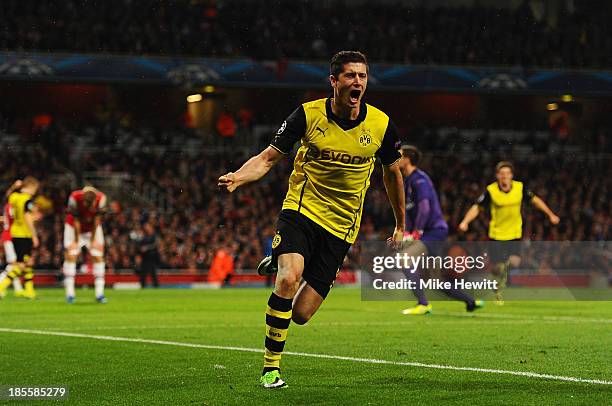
463 226
35 242
396 239
228 182
554 219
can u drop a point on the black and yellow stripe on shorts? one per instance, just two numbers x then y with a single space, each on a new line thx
278 317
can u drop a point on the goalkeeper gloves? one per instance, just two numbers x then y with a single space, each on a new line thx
413 235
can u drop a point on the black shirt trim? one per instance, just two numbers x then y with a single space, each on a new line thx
344 123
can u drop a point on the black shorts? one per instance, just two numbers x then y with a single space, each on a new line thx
500 251
323 252
23 248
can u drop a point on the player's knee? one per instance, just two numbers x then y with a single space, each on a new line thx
287 284
289 274
99 269
97 253
514 261
300 317
69 256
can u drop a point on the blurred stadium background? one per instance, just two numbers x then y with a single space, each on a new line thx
151 101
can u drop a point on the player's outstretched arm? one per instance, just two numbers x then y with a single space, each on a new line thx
542 206
15 186
471 214
392 178
252 170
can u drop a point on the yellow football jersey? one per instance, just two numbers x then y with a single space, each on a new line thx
333 165
20 204
506 218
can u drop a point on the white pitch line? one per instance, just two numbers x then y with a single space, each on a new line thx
203 325
531 318
310 355
400 322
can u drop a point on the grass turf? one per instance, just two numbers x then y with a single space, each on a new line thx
557 338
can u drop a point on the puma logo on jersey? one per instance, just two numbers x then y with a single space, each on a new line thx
322 131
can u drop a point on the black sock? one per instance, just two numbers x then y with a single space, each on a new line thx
418 291
460 295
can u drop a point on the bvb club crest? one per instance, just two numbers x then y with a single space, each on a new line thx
276 240
365 138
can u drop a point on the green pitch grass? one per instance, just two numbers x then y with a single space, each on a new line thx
558 338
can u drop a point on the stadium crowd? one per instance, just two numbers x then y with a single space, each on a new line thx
475 35
198 220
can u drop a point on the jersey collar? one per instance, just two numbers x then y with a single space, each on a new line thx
413 174
343 123
502 190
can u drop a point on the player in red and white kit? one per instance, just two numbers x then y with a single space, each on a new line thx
83 228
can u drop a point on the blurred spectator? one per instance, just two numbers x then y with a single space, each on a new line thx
149 256
226 127
222 267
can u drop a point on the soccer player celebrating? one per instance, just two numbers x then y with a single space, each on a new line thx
83 228
425 226
504 198
23 236
340 138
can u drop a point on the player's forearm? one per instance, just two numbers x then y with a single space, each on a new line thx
16 185
96 223
540 205
254 169
29 219
394 185
471 214
77 229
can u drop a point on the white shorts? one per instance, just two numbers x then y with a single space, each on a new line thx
9 252
84 240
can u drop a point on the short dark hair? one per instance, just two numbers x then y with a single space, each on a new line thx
336 65
504 164
412 153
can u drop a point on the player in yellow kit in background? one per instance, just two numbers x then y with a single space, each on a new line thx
340 137
23 234
504 199
7 241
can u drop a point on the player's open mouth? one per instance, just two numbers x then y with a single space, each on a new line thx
354 96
